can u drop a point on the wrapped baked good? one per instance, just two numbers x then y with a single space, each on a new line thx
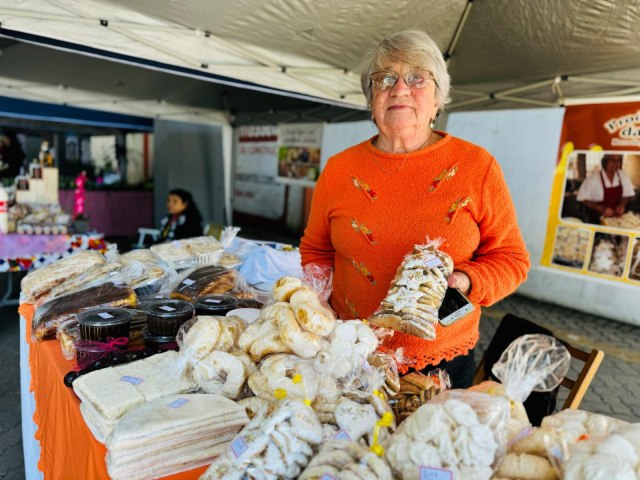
346 459
416 389
47 318
189 252
416 292
144 271
42 280
206 280
67 333
287 376
229 260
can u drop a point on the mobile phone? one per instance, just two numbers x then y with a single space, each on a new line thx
454 307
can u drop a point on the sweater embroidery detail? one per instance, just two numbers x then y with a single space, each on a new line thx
455 208
364 230
360 267
352 307
445 175
366 189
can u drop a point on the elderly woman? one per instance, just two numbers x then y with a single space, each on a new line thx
375 200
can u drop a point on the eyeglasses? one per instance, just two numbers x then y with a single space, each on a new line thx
415 79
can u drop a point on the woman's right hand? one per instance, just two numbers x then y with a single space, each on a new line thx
608 212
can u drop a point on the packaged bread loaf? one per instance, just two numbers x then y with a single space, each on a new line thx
189 252
43 279
416 292
206 280
49 316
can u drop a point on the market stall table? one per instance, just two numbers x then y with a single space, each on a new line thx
67 449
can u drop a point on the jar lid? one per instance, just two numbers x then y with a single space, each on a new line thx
104 317
169 308
213 303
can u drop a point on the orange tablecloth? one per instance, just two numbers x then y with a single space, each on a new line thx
68 449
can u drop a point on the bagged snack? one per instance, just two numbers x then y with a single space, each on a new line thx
339 458
416 292
144 271
275 444
41 280
285 376
53 313
189 252
415 390
459 433
67 333
204 281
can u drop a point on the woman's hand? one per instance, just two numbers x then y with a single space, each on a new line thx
461 281
607 212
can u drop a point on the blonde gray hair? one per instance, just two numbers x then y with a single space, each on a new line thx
415 48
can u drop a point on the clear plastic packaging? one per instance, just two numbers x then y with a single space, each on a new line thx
319 278
145 272
67 333
42 280
227 236
201 281
190 252
416 292
51 314
416 389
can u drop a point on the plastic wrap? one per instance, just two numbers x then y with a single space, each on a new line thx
227 236
338 458
41 280
49 316
532 363
67 333
416 292
210 357
285 376
190 252
145 272
275 444
200 281
319 278
459 431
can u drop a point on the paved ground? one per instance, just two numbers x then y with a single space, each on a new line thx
615 390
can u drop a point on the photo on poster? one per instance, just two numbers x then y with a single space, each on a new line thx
609 254
570 247
634 270
299 162
602 188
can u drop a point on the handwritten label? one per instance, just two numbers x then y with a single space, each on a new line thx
212 300
177 403
188 282
434 262
341 435
239 446
131 380
105 315
167 309
433 473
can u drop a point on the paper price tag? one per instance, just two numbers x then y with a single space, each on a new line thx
328 476
105 315
341 435
188 282
239 446
167 309
433 473
434 262
212 300
177 403
131 380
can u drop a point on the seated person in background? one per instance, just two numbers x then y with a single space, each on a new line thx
183 220
606 192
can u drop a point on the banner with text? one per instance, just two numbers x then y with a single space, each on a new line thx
256 191
594 214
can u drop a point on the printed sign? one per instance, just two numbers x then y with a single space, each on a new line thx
299 153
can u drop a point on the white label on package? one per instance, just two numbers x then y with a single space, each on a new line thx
177 403
131 380
167 309
188 282
327 476
212 300
434 262
433 473
176 244
341 435
239 446
521 435
105 315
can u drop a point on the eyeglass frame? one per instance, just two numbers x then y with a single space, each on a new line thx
398 76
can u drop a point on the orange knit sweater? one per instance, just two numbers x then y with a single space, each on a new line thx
370 207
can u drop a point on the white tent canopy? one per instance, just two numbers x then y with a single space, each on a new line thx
501 52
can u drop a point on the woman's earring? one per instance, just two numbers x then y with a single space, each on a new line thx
432 123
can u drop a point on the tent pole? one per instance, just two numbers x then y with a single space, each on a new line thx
602 81
528 101
456 35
